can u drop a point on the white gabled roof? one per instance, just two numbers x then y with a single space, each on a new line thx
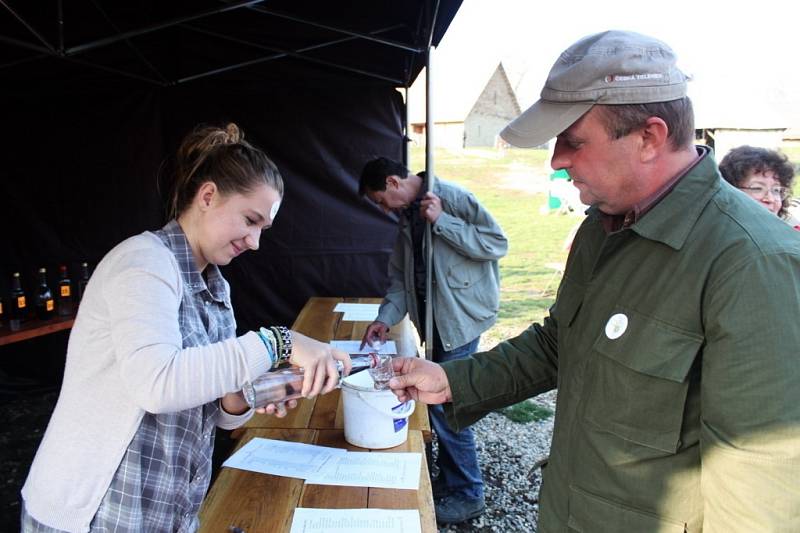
456 89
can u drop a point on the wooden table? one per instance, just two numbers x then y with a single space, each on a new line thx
265 503
258 502
318 320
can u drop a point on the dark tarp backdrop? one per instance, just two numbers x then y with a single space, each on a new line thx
96 94
77 186
94 109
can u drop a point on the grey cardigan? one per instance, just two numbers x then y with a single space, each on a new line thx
467 243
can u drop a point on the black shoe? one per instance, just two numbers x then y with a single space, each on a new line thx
458 508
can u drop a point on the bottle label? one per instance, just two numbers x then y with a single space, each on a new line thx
1 308
65 292
50 305
20 302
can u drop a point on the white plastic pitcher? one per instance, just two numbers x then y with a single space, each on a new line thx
373 418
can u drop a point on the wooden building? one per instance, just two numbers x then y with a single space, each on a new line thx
470 108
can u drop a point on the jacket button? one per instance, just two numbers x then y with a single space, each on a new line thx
466 283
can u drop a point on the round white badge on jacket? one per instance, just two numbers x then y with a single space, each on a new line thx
616 326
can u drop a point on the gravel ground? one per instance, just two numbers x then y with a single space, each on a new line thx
506 451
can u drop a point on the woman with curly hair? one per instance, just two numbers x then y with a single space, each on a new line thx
765 175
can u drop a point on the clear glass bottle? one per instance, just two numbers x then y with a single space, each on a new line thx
286 383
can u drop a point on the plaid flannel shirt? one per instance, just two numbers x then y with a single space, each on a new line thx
165 471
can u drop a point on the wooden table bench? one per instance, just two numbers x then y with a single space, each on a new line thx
35 328
258 502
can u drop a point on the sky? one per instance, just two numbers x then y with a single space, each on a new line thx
748 47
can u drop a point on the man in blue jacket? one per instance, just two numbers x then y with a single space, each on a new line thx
467 243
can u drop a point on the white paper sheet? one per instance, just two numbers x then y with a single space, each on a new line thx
307 520
371 469
282 458
353 347
357 312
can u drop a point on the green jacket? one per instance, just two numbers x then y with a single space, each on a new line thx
681 413
467 242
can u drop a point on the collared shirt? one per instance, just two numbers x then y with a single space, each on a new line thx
617 222
165 472
466 246
141 343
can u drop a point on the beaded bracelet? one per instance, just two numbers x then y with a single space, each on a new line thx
283 337
268 338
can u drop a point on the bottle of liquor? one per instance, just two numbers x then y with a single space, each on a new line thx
64 294
285 384
45 304
83 280
19 305
2 312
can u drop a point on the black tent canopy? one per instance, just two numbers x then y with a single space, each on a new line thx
97 94
172 43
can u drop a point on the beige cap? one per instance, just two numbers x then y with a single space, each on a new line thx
613 67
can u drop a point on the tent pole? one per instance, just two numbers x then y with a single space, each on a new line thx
28 26
407 138
60 27
279 53
128 42
154 27
430 178
367 36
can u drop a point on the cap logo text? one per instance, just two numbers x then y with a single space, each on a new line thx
633 77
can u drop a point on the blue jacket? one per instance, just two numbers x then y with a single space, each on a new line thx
467 243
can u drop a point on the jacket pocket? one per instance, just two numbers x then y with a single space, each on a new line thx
592 514
637 379
474 288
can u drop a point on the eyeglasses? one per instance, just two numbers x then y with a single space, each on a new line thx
760 191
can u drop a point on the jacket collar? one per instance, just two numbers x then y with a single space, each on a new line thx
671 220
176 240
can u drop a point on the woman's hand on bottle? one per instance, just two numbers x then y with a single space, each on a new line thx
318 361
235 404
277 409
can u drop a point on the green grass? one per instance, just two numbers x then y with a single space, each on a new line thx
534 238
527 411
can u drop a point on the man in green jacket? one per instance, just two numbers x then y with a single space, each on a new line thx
673 341
467 243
